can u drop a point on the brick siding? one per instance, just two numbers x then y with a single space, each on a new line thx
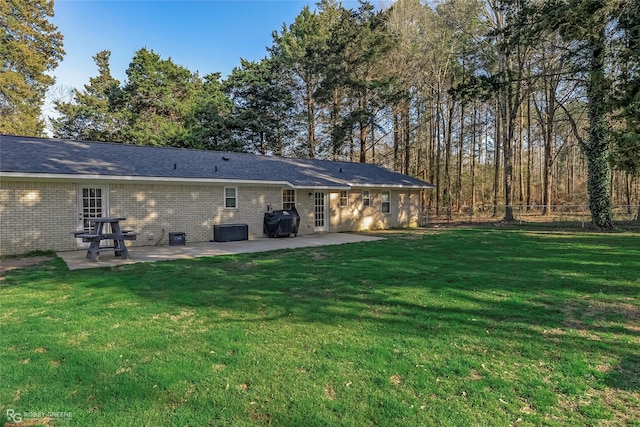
404 205
37 216
191 209
42 215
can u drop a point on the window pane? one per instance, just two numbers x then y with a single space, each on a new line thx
344 198
230 197
386 204
288 199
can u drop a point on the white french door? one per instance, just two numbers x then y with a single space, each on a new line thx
92 203
320 211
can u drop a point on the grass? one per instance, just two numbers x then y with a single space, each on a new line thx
459 327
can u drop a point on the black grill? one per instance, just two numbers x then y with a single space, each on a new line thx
281 223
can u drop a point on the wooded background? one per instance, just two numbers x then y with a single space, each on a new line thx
496 102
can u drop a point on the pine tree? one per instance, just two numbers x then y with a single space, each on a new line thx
353 81
157 97
30 46
93 114
207 120
627 93
263 106
296 48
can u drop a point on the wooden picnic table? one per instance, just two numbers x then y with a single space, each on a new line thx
101 232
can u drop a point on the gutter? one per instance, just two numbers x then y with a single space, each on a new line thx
152 179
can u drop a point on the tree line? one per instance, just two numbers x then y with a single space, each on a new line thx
497 102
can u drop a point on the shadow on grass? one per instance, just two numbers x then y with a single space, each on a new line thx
514 282
534 295
626 375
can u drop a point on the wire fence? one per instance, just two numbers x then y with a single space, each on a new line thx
574 215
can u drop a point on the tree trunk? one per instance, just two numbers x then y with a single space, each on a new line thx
460 158
335 108
438 152
508 109
627 191
447 158
432 149
372 126
520 149
529 153
311 124
473 159
548 165
496 159
363 142
597 147
396 139
406 136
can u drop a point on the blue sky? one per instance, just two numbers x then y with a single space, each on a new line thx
205 36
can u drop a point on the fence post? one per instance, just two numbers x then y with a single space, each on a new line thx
520 213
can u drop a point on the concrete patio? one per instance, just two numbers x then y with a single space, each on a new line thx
76 260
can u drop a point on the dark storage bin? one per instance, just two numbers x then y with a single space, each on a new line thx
230 232
177 239
281 223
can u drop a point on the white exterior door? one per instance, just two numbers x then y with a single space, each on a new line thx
92 203
320 211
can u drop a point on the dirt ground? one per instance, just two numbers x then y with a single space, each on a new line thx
13 263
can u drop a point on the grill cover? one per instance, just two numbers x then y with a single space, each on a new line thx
281 223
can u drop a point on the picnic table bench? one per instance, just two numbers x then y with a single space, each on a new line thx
117 235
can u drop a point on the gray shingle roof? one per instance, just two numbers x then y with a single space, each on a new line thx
60 157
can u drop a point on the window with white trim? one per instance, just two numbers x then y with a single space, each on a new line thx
288 199
230 197
366 198
344 198
385 197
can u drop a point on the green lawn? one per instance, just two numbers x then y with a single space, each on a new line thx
453 327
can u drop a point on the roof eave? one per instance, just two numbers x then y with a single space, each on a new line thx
197 180
134 178
159 179
398 186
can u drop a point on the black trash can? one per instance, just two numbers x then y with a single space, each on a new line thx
177 239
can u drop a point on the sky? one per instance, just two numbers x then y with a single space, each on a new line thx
205 36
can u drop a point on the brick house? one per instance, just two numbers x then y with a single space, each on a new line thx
48 187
